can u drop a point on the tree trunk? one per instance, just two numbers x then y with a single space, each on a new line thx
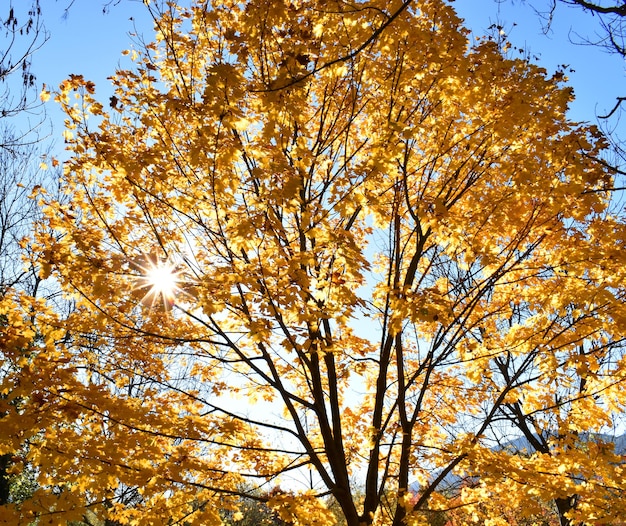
564 505
5 460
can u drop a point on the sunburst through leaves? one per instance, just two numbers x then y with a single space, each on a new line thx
161 278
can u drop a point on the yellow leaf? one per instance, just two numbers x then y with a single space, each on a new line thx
44 95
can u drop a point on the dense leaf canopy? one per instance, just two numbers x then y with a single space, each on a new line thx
390 253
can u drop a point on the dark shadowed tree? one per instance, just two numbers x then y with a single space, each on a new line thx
21 34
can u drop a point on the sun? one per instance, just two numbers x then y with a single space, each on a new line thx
161 278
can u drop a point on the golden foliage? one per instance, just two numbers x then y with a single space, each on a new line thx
386 240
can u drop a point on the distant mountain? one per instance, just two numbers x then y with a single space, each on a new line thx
522 445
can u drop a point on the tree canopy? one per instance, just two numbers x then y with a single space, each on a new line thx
323 250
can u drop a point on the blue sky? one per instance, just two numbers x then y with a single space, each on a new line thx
88 42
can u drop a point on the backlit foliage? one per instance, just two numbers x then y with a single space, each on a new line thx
393 253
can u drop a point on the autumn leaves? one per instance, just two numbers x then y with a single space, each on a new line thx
401 245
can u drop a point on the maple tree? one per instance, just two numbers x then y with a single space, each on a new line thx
610 17
21 34
20 284
326 241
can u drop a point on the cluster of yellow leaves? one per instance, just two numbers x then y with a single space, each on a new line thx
302 510
587 468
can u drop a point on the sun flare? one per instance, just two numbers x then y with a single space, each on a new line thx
160 279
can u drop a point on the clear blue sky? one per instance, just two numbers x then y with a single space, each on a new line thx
88 42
